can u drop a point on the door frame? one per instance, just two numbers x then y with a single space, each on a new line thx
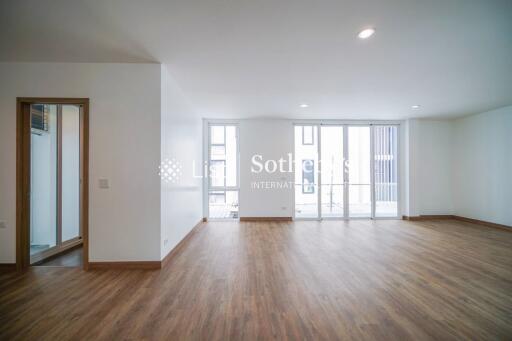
23 134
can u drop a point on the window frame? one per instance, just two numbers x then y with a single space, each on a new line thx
304 143
208 188
347 123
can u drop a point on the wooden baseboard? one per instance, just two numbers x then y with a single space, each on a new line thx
7 267
142 265
167 259
427 217
265 218
455 217
483 222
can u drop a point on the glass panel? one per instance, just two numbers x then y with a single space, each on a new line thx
217 197
224 156
70 172
306 174
223 204
332 201
218 176
332 171
43 178
359 172
386 167
218 153
231 157
217 134
307 135
360 205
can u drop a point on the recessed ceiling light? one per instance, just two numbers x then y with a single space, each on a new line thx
366 33
415 107
304 105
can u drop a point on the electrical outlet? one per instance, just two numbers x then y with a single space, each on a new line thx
166 241
283 208
3 224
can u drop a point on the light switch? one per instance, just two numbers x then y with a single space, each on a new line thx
3 224
103 183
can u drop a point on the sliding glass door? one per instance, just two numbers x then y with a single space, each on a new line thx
44 196
55 187
70 172
346 171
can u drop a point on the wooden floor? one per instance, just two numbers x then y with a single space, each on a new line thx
72 258
332 280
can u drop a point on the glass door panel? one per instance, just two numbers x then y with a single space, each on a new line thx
306 171
223 172
332 164
43 178
70 172
231 165
223 204
55 149
385 140
359 180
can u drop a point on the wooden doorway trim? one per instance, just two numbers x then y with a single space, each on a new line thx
23 131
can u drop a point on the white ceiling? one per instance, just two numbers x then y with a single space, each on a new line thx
258 58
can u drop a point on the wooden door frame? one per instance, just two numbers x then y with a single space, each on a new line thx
23 133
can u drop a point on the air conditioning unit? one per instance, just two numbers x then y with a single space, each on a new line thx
39 118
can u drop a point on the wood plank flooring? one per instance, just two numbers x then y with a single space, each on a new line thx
71 258
331 280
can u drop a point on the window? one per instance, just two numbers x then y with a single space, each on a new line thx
218 135
218 173
386 171
39 118
308 176
307 135
352 173
223 171
217 197
306 171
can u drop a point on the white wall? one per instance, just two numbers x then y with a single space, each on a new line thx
182 138
482 178
124 220
272 139
460 167
432 165
426 167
